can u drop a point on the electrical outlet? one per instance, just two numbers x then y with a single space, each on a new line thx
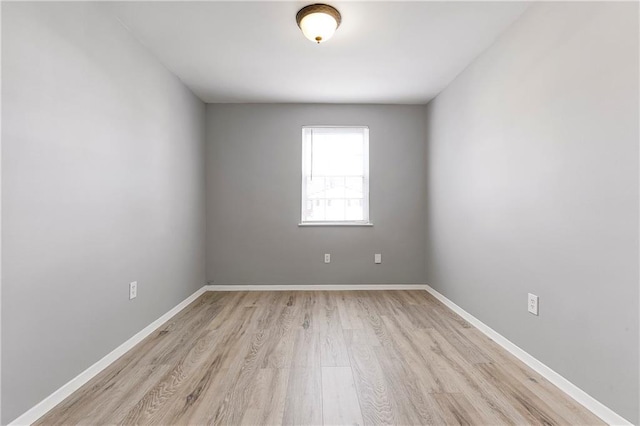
327 258
532 304
377 258
133 290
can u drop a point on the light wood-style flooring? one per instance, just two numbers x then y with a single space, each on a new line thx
323 357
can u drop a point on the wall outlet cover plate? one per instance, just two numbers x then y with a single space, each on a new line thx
532 304
133 290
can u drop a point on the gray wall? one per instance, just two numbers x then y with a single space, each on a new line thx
254 155
532 166
102 184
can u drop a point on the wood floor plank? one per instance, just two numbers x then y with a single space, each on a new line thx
348 311
241 376
199 400
117 377
155 399
306 350
352 357
304 397
333 349
373 326
236 335
431 367
359 337
278 352
340 405
416 404
546 391
268 397
233 301
526 402
456 409
376 399
307 312
484 395
270 308
328 317
121 395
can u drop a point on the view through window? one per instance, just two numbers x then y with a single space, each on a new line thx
335 174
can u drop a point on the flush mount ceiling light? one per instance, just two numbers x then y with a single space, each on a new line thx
318 22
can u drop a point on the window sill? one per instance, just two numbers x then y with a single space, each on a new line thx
305 224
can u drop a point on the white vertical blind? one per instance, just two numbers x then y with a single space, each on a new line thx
335 174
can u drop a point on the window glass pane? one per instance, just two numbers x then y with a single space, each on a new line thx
316 188
316 212
353 210
334 187
337 155
354 187
335 173
335 210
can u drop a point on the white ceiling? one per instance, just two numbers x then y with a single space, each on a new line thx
384 52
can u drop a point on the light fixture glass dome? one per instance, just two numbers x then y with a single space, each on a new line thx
318 22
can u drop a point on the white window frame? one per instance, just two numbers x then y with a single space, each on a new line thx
306 157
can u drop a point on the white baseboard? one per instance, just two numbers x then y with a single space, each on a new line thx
593 405
74 384
314 287
589 402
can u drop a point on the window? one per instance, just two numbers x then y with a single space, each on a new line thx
335 175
